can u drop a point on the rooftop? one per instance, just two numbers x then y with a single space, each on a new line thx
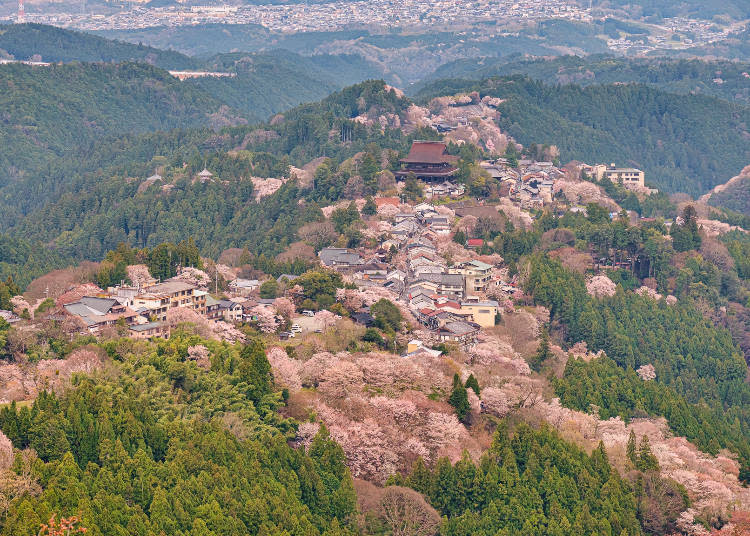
147 326
170 287
459 328
428 152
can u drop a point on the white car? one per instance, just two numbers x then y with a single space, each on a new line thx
308 312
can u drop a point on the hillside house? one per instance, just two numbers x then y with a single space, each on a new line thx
460 331
179 294
339 258
482 312
149 330
243 287
446 284
627 177
477 275
96 313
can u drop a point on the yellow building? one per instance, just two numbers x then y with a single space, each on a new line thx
624 176
482 312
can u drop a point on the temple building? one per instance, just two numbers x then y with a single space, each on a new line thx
429 161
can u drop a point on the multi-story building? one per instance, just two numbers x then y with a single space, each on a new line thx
476 275
451 285
628 177
177 294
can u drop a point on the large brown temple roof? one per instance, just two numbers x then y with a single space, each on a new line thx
428 152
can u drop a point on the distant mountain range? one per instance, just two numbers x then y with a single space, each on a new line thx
105 118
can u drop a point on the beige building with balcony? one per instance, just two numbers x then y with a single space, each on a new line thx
477 275
627 177
178 294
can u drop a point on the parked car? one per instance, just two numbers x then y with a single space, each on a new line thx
308 312
284 335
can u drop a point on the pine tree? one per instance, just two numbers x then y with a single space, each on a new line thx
542 353
472 383
370 208
630 450
459 399
646 459
412 189
459 237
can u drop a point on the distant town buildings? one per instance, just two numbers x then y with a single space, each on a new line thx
320 16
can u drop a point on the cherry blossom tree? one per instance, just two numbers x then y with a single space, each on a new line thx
138 274
200 355
284 307
600 286
225 331
468 224
495 401
286 370
647 372
325 319
268 321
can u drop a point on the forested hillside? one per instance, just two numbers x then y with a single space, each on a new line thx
53 113
403 54
90 209
550 473
23 41
49 112
165 446
736 196
268 83
685 143
723 79
258 330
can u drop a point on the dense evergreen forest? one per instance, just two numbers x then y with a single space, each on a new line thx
686 143
717 78
163 446
255 90
700 373
532 482
51 112
93 205
52 44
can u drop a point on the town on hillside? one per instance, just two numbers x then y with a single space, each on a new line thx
424 256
